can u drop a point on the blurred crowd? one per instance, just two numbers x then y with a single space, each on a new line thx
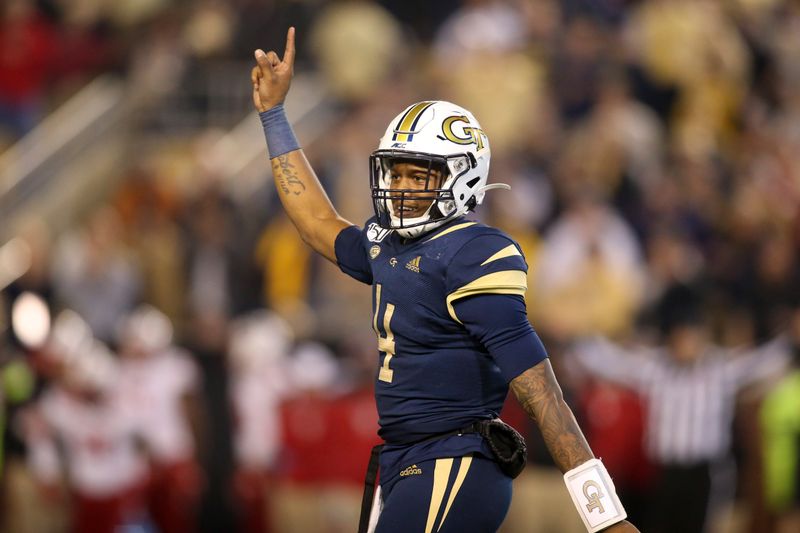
653 149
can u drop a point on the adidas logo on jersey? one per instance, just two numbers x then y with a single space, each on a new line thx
413 265
412 470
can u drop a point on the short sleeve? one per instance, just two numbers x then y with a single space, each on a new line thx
351 256
487 264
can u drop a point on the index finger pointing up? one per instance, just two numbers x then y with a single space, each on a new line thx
288 54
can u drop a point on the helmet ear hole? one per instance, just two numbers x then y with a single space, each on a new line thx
471 183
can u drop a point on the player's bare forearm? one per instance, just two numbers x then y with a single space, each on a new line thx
540 395
306 203
299 189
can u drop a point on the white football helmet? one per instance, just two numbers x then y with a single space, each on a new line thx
259 340
438 136
146 330
70 336
94 369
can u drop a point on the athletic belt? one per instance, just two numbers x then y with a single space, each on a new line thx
372 472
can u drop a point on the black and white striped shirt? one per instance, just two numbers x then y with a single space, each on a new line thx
690 406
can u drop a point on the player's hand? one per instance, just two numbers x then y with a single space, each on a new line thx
621 527
272 75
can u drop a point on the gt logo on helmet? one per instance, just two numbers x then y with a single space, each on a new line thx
473 135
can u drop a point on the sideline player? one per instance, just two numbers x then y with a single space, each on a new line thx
449 312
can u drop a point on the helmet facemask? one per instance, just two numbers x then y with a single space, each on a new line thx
402 209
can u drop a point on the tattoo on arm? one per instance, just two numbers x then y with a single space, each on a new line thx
540 395
286 176
276 171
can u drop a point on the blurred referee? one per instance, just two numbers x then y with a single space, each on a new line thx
690 387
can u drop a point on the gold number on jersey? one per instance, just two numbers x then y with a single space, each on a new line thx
385 344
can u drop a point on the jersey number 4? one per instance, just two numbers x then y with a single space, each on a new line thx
385 344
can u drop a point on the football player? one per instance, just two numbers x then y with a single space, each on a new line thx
449 313
158 385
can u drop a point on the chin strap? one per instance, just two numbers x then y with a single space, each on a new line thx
491 186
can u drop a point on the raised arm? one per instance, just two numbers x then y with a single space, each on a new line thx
300 192
538 392
612 362
769 360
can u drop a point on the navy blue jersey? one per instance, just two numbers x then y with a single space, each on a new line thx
434 377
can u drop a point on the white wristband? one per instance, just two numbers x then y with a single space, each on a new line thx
594 496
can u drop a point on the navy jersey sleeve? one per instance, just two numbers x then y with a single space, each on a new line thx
500 323
351 256
490 263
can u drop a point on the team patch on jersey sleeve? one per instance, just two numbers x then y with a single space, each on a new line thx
488 264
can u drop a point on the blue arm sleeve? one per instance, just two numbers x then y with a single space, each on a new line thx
500 323
351 256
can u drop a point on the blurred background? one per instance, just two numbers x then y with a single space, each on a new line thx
172 358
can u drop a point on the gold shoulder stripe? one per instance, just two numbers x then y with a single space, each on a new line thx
503 282
452 229
508 251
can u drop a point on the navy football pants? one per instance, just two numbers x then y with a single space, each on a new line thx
452 495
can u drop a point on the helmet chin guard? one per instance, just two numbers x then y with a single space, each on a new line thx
447 143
